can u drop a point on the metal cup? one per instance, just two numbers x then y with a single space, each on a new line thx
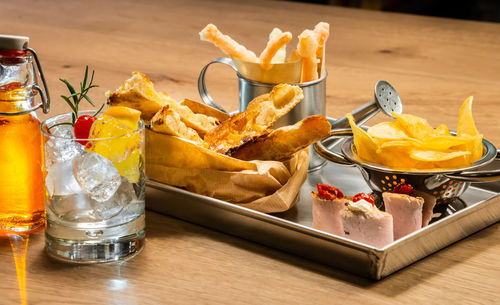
314 101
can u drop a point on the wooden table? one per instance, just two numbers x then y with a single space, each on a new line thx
434 64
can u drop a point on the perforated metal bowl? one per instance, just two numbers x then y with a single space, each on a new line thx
442 184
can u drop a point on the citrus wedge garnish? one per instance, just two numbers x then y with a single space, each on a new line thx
125 115
117 139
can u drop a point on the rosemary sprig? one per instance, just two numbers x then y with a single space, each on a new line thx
73 100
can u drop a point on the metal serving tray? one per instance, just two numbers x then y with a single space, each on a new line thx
291 231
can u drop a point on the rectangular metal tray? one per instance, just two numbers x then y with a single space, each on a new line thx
291 231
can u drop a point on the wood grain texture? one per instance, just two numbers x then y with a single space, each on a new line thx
433 63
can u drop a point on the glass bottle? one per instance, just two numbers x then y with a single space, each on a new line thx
21 150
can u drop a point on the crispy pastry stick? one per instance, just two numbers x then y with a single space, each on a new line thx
322 31
275 50
294 56
226 44
282 143
280 56
167 121
261 113
307 46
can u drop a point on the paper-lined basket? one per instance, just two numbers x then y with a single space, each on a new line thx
265 186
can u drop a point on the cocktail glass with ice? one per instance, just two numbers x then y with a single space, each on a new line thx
95 189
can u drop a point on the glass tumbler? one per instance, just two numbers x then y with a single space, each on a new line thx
94 193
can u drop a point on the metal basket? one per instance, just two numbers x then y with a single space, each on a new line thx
442 184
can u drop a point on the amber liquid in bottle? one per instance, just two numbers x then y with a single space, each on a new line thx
21 174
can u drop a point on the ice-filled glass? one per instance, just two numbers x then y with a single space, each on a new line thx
95 191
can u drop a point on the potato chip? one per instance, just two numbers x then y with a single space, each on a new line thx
366 147
399 144
452 163
410 143
387 131
433 156
394 154
466 126
443 142
414 126
442 130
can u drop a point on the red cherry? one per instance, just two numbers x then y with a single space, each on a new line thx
403 188
328 192
365 197
82 127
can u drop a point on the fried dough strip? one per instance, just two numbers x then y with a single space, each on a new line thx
283 142
275 50
226 44
306 48
261 113
322 31
294 56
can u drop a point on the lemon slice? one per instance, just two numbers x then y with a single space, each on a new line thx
125 115
116 139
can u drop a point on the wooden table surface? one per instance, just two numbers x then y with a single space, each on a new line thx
433 63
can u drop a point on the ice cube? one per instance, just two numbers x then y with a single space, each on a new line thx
96 175
61 147
111 207
76 207
60 180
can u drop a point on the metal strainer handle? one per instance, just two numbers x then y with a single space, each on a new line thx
386 99
361 115
478 175
329 155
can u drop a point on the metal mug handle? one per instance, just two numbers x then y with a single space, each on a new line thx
202 88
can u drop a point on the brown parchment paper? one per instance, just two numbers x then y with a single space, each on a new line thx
265 186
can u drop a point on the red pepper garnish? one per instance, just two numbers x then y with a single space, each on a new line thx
365 197
328 192
82 127
403 188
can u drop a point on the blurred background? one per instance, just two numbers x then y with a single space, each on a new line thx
481 10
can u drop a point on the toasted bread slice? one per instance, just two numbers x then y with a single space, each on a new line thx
138 93
199 122
201 108
167 121
261 113
282 143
